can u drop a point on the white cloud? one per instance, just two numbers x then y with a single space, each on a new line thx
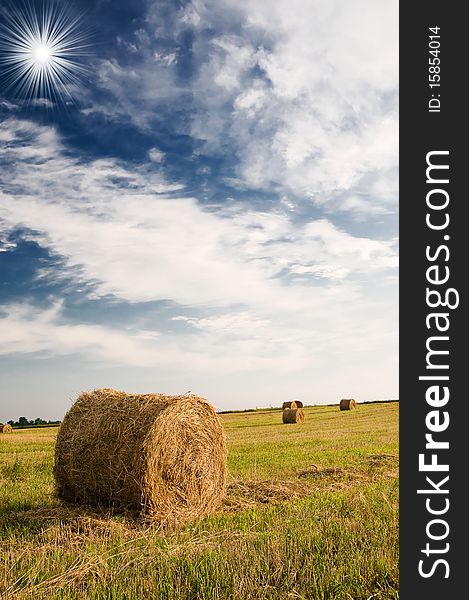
136 91
302 94
43 333
5 246
28 330
156 155
264 293
323 116
115 227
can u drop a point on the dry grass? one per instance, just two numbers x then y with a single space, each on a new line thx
164 456
311 512
242 495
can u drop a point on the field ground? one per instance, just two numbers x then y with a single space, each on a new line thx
311 513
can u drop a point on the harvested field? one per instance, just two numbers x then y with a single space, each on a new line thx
312 496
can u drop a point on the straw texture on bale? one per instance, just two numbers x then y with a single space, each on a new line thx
292 404
5 428
293 415
347 404
164 456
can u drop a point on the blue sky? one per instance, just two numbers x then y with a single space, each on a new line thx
216 210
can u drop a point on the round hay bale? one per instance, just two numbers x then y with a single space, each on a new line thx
347 404
164 456
292 404
6 428
293 415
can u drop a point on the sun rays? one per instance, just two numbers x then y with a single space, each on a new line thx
42 51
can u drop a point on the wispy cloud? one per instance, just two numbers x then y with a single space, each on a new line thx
117 226
267 291
301 96
314 111
29 330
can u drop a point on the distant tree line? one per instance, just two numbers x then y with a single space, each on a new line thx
24 422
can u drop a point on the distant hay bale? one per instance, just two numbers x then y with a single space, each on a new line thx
164 456
347 404
292 404
293 415
5 428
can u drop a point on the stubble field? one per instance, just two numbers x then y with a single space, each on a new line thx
311 513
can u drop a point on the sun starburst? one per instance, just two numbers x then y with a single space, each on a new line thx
42 51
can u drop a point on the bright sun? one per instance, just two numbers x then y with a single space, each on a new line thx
41 52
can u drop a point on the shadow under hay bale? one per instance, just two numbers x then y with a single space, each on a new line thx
347 404
292 404
293 415
5 428
164 456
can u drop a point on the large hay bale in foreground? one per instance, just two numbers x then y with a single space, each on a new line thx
347 404
162 455
5 428
293 415
292 404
